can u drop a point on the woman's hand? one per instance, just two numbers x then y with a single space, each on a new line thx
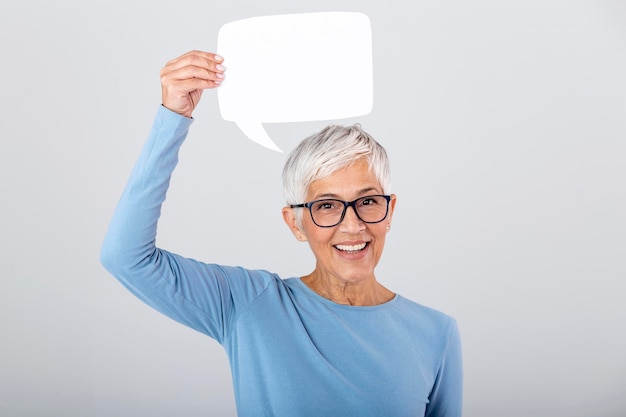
185 78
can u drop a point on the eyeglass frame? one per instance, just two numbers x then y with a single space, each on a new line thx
346 204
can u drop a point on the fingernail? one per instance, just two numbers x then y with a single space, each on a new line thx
220 67
218 58
219 75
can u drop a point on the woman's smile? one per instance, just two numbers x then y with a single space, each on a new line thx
351 248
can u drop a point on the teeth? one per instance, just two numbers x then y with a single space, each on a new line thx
351 248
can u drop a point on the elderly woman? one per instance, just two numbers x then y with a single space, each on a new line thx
332 343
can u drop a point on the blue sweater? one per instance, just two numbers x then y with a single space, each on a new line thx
292 352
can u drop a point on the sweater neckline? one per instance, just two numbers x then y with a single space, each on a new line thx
319 298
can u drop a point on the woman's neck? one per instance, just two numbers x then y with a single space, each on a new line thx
363 293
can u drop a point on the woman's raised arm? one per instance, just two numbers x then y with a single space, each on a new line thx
188 291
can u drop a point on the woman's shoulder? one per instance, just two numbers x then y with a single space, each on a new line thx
427 318
239 276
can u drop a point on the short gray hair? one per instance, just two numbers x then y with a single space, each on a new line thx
333 148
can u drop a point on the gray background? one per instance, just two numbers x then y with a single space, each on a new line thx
506 125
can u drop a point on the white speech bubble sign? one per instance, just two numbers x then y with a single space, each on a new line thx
295 68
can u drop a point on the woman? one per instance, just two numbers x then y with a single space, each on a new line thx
332 343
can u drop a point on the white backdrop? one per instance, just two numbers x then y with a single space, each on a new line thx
506 125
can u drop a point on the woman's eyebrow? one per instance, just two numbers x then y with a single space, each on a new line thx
327 195
367 190
337 197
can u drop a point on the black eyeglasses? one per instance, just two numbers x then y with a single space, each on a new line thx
330 212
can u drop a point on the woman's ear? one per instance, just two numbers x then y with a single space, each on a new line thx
289 216
392 207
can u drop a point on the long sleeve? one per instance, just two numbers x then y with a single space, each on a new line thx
201 296
446 398
130 239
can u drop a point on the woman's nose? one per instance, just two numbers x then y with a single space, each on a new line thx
351 222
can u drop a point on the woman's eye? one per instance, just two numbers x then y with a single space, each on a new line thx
369 201
326 205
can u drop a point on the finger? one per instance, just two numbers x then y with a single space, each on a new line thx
207 55
201 54
191 72
207 60
192 84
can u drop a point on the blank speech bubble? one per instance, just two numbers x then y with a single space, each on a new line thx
295 68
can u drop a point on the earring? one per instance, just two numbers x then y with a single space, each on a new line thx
388 227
